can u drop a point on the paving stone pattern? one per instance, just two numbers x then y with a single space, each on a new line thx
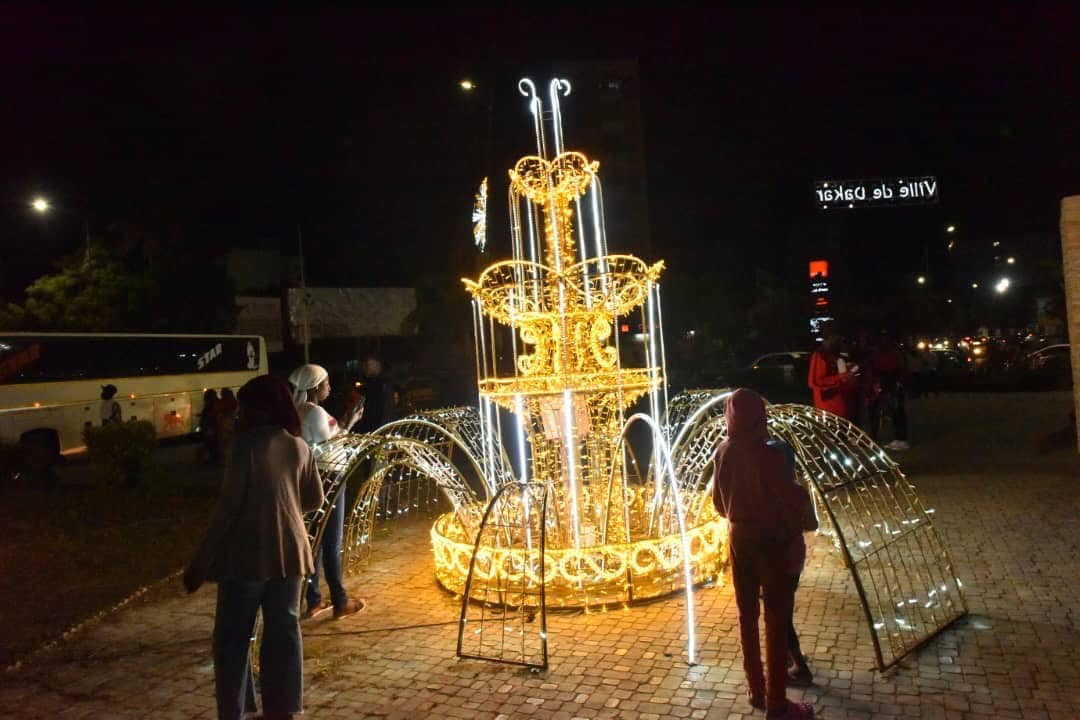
1012 535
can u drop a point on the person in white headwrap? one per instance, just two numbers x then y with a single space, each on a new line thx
311 386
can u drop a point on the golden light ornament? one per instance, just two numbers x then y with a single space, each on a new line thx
479 216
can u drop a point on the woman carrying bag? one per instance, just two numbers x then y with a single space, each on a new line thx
257 550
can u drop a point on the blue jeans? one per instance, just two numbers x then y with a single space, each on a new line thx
328 559
281 657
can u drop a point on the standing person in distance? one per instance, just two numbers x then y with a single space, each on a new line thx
311 386
257 550
830 378
891 369
754 489
378 396
111 411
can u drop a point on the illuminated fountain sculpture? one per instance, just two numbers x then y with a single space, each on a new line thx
549 505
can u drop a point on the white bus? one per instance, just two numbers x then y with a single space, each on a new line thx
50 383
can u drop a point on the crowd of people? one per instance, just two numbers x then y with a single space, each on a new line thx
866 385
258 552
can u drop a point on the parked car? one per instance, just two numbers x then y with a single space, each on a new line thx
779 376
1051 366
1050 357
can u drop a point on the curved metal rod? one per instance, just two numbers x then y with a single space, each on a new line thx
452 436
666 470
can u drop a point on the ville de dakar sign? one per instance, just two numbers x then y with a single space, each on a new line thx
831 194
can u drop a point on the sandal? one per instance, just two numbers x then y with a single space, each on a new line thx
351 607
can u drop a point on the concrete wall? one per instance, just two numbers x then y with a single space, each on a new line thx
352 312
261 316
1070 250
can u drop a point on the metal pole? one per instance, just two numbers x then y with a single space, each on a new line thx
86 232
305 329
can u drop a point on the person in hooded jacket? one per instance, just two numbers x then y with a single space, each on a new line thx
829 378
754 488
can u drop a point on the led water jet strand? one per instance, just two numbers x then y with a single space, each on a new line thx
582 248
556 110
534 256
663 353
516 241
598 237
571 466
536 107
654 409
688 575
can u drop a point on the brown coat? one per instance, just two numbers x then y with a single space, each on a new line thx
257 529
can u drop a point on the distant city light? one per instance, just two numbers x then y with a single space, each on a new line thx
921 279
974 286
950 229
949 301
467 85
996 243
1011 260
1002 285
40 204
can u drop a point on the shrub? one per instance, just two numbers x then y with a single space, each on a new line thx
121 451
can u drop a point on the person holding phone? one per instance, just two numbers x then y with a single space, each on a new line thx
311 387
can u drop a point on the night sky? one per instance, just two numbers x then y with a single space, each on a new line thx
242 125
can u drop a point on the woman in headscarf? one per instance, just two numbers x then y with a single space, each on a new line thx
257 550
311 386
754 488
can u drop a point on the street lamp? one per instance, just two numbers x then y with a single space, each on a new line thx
950 229
1011 260
1002 285
467 85
921 279
40 205
974 286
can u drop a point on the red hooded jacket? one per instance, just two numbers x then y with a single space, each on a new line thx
753 484
829 386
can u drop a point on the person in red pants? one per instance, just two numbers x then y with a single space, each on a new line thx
754 489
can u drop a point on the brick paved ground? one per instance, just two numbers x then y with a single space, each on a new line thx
1008 515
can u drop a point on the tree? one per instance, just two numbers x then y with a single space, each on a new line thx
141 279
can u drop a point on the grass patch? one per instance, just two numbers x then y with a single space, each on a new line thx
83 545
